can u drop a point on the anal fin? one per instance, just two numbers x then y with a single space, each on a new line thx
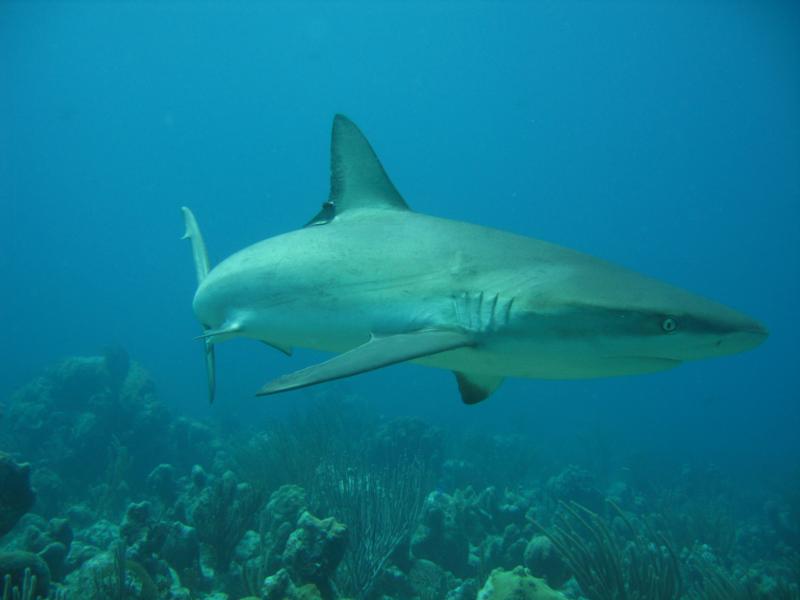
476 387
212 336
376 353
287 350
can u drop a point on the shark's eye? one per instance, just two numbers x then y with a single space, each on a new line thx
669 324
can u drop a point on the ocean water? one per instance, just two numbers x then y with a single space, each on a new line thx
663 137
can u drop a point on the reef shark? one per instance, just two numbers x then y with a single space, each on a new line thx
379 284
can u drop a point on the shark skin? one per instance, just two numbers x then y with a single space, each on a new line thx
379 284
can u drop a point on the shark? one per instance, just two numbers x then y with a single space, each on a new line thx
377 283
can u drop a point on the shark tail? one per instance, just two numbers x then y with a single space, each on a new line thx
202 267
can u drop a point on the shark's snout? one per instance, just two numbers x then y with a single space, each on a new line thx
743 335
727 332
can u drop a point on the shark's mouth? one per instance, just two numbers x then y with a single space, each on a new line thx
643 364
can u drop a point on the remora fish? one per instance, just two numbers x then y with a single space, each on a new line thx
379 284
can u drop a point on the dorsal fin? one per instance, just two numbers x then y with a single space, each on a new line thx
358 179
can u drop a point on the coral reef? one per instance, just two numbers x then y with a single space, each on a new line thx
336 502
222 513
313 550
16 495
518 584
441 536
637 563
78 419
14 566
294 551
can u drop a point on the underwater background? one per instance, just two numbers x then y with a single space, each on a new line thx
663 137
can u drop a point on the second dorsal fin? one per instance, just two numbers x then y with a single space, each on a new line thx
358 179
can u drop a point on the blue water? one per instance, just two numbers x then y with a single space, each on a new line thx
665 138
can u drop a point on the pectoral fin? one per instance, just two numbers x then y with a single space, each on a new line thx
476 387
374 354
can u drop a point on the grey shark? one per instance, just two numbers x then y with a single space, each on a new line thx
379 284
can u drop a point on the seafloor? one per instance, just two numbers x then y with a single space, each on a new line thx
104 494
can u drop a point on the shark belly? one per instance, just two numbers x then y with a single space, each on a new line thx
538 361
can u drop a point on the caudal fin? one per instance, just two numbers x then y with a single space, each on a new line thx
193 234
202 268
